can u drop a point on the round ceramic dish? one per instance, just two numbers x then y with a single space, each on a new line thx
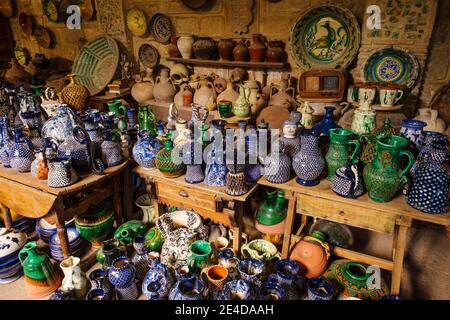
96 64
50 9
161 27
325 37
392 66
136 22
148 55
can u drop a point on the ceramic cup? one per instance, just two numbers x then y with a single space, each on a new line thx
389 97
216 276
200 252
352 93
225 108
366 96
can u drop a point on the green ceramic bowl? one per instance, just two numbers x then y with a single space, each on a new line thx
97 230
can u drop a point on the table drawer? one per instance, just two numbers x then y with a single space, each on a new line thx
188 196
349 214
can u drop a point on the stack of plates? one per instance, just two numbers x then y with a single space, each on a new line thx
46 230
24 224
11 242
76 244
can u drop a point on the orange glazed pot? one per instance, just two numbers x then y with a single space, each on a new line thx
312 253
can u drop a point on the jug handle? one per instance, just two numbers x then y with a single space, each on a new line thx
190 262
292 89
401 95
96 165
346 106
410 161
204 278
123 109
356 150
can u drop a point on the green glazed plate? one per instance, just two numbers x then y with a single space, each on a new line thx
392 66
325 37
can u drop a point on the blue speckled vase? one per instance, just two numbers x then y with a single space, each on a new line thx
22 154
412 130
146 149
308 163
6 143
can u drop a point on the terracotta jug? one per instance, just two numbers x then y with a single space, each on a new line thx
312 253
226 47
164 90
284 95
173 48
142 91
257 49
240 52
205 94
229 94
275 53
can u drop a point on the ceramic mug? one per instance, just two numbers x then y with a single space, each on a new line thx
352 93
225 108
200 252
116 107
366 96
389 97
216 276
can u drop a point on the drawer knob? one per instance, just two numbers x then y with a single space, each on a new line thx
183 193
342 213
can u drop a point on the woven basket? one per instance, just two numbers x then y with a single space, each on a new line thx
75 95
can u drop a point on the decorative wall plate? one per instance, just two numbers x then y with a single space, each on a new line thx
392 66
42 37
325 37
21 55
6 8
195 4
161 27
148 55
96 64
26 23
51 10
136 22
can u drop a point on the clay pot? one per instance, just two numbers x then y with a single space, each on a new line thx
229 94
240 52
183 98
274 116
142 91
184 45
226 47
205 94
173 48
312 254
163 90
238 75
284 96
205 49
275 53
257 49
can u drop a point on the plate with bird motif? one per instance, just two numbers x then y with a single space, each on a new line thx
392 66
325 37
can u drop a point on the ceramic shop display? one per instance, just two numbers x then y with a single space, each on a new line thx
325 37
184 45
96 63
392 66
148 55
136 22
383 177
161 27
179 229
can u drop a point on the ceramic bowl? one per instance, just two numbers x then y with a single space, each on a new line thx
237 290
96 227
45 230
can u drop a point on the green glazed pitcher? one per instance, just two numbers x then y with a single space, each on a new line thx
200 255
117 107
147 120
241 107
383 177
36 265
338 155
273 210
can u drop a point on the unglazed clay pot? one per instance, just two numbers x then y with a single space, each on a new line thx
164 90
204 49
275 53
184 44
142 91
229 94
240 52
205 94
312 254
257 49
431 117
226 47
173 48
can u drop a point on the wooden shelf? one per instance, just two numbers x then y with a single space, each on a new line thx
231 64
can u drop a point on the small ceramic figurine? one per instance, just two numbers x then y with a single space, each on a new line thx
290 138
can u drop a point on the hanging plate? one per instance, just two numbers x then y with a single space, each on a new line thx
21 55
325 37
51 10
148 55
136 22
161 27
392 66
96 64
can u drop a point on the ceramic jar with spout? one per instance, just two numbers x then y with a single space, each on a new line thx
184 45
142 91
431 118
308 163
261 250
145 150
226 47
338 154
240 51
163 90
229 94
383 177
312 253
257 49
74 279
241 107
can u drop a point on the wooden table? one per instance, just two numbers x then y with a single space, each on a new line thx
33 198
209 202
394 217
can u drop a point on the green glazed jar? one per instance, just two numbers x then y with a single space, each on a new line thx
200 255
273 210
338 155
129 230
36 265
225 108
96 225
383 177
154 240
116 107
166 164
147 120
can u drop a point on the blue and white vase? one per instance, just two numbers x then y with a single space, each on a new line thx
6 142
99 280
228 260
413 131
277 166
192 157
157 281
429 189
287 276
122 276
139 258
60 173
237 290
320 289
111 150
308 163
189 287
216 169
271 290
428 137
22 155
251 270
32 120
146 149
60 127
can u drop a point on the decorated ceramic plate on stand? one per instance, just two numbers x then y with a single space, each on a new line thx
148 55
161 27
392 66
325 37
